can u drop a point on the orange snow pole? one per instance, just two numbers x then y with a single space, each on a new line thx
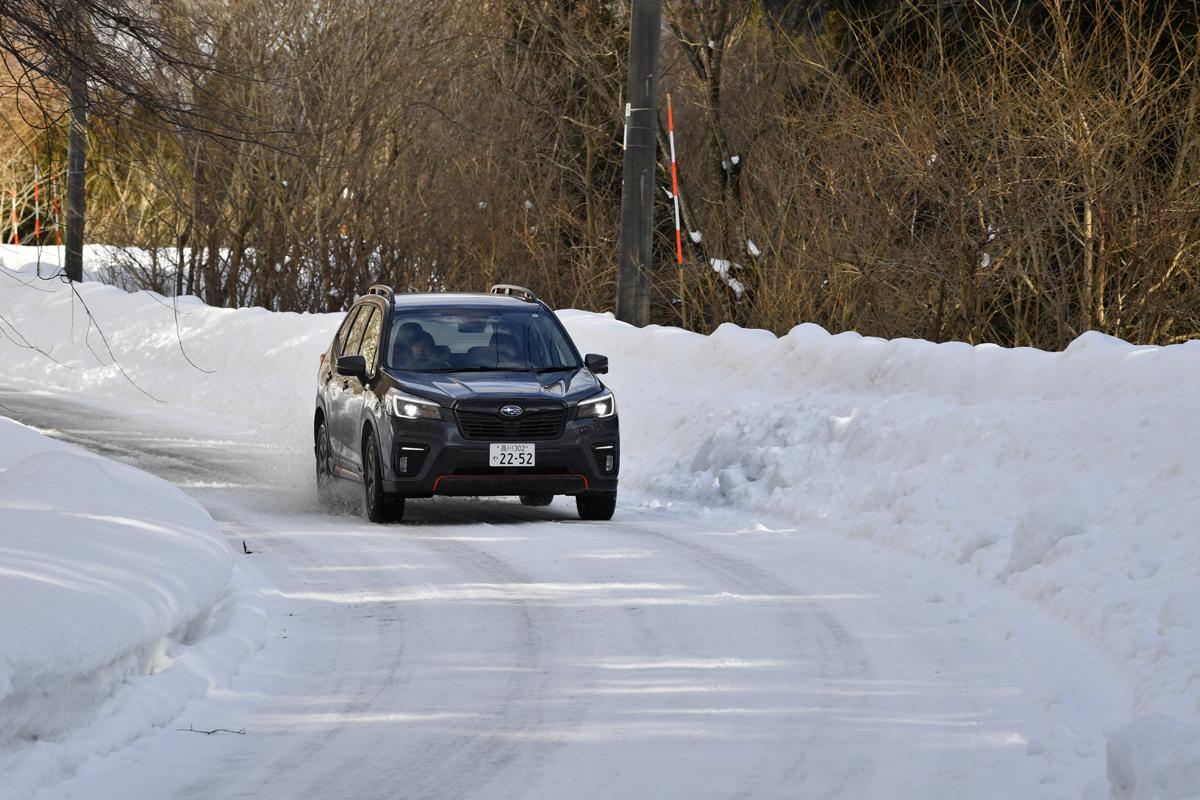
674 182
16 236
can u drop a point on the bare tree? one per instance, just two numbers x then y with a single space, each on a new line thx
1007 173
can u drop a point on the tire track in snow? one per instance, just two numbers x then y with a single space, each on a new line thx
457 768
461 761
842 658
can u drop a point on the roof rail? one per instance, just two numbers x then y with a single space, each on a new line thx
382 290
514 291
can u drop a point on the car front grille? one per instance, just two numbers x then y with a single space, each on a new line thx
535 424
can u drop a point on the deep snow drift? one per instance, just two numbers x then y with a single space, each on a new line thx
1070 478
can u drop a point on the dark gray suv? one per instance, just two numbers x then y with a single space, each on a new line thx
464 394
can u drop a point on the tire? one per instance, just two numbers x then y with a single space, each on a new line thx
596 505
324 457
535 499
378 505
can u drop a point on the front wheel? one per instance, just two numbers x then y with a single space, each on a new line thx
378 505
535 499
596 505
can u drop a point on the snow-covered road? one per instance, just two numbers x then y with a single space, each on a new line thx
483 649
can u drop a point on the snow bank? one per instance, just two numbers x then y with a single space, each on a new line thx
180 357
1155 758
1070 478
106 574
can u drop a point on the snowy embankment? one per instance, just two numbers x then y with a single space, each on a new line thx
108 579
1068 478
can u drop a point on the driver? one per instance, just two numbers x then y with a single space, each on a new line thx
424 351
402 345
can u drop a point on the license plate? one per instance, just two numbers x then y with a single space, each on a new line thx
510 455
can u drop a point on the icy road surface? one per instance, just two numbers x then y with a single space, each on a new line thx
486 650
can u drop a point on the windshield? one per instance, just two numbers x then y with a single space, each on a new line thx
480 339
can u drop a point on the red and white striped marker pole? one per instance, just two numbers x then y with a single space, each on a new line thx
54 208
674 182
683 315
37 205
16 236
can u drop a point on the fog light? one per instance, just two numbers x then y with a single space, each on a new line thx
606 457
408 459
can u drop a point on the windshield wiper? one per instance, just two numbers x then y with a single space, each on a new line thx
474 369
494 369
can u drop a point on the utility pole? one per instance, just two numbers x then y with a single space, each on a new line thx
76 146
638 178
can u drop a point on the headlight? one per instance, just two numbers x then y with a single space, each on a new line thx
405 406
600 407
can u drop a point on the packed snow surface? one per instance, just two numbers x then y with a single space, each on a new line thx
1069 479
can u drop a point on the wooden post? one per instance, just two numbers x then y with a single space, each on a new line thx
76 152
635 249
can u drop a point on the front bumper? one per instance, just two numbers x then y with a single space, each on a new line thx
432 457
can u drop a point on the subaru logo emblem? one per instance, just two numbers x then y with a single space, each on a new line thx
511 411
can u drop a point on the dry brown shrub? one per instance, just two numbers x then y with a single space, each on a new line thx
1004 195
1019 180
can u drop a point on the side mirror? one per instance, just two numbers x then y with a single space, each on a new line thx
352 367
596 363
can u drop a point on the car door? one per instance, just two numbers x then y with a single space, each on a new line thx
342 419
329 380
355 396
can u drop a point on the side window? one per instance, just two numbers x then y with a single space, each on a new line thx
370 343
356 332
340 346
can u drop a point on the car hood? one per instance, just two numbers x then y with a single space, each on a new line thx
569 386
